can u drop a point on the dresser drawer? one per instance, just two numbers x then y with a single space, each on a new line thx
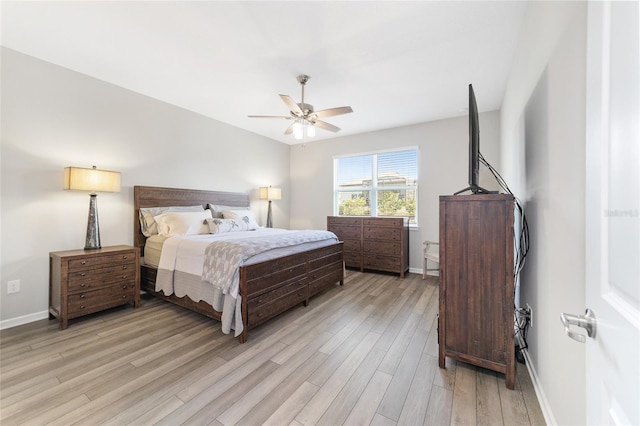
382 247
93 262
344 220
384 263
344 232
393 234
391 222
353 259
352 245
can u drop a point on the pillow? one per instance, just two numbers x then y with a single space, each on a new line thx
183 223
216 209
217 225
148 225
242 215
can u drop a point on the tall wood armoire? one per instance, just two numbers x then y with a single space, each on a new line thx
475 323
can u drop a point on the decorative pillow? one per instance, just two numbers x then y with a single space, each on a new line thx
217 225
216 209
242 215
146 215
183 223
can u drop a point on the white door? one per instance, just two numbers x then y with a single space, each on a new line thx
613 212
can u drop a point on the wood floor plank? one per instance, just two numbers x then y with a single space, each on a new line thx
439 409
416 403
514 410
365 408
160 364
463 410
230 397
536 417
350 393
488 399
314 410
286 413
394 399
251 398
281 394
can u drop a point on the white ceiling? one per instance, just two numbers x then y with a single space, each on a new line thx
395 63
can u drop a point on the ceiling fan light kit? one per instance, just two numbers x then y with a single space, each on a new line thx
305 119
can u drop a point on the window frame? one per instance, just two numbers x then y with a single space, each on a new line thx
374 188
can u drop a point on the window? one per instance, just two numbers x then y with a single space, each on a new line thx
380 184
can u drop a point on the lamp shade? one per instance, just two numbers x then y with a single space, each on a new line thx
94 180
270 193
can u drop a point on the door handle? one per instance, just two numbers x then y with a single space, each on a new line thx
586 321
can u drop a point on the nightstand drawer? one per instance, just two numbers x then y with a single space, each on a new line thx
92 262
97 300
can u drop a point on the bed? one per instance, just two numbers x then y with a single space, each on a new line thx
267 285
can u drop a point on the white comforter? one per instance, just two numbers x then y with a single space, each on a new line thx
188 254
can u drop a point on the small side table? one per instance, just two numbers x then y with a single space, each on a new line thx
82 282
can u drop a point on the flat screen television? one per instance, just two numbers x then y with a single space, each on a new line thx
474 148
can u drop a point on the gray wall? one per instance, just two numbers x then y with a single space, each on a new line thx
53 117
543 149
443 169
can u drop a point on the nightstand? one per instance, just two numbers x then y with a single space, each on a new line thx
82 282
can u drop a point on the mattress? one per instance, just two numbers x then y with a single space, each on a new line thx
152 250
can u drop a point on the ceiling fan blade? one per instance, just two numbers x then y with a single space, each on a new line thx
291 104
326 126
289 129
333 111
269 116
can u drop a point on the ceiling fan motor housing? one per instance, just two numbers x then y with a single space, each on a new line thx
306 108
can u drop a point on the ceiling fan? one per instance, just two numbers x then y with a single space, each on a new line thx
305 118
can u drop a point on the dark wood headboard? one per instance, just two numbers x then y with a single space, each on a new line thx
153 196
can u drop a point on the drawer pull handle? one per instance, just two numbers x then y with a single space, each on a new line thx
124 266
259 301
125 257
82 296
83 285
124 297
259 314
124 286
84 262
82 274
81 306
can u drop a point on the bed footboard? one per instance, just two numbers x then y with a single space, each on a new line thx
272 287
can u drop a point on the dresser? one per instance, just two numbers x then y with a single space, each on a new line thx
373 243
82 282
476 306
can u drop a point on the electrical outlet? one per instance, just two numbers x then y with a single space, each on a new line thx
530 313
13 286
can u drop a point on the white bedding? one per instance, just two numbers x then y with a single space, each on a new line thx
182 260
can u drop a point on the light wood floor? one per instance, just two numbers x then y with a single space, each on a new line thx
365 353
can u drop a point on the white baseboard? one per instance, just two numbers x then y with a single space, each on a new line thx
25 319
535 380
419 272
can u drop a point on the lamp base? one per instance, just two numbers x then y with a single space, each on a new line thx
269 219
92 241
